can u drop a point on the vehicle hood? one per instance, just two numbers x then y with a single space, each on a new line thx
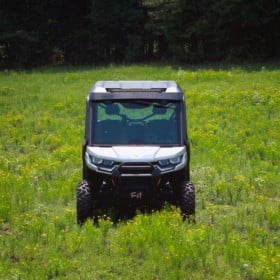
136 153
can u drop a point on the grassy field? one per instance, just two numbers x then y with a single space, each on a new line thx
234 121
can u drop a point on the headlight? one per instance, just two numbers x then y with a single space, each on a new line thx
170 162
176 160
164 162
95 160
106 163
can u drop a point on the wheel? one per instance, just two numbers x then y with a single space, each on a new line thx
84 202
187 200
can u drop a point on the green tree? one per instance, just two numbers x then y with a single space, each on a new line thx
20 39
159 17
95 31
116 29
199 30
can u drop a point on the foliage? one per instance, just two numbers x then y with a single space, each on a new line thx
125 20
94 32
233 117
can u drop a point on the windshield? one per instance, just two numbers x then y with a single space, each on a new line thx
138 122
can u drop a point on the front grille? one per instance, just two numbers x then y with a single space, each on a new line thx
136 169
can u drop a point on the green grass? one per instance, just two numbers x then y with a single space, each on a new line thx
234 121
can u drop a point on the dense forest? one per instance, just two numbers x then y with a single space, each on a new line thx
87 32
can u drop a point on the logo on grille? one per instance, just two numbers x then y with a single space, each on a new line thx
136 195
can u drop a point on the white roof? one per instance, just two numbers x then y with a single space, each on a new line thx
103 86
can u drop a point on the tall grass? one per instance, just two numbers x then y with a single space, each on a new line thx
233 120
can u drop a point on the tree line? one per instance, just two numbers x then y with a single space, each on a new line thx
87 32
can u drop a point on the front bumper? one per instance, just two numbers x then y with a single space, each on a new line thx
133 184
135 180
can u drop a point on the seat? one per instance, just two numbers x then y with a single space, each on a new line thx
108 132
163 131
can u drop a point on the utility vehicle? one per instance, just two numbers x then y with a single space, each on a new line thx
136 151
